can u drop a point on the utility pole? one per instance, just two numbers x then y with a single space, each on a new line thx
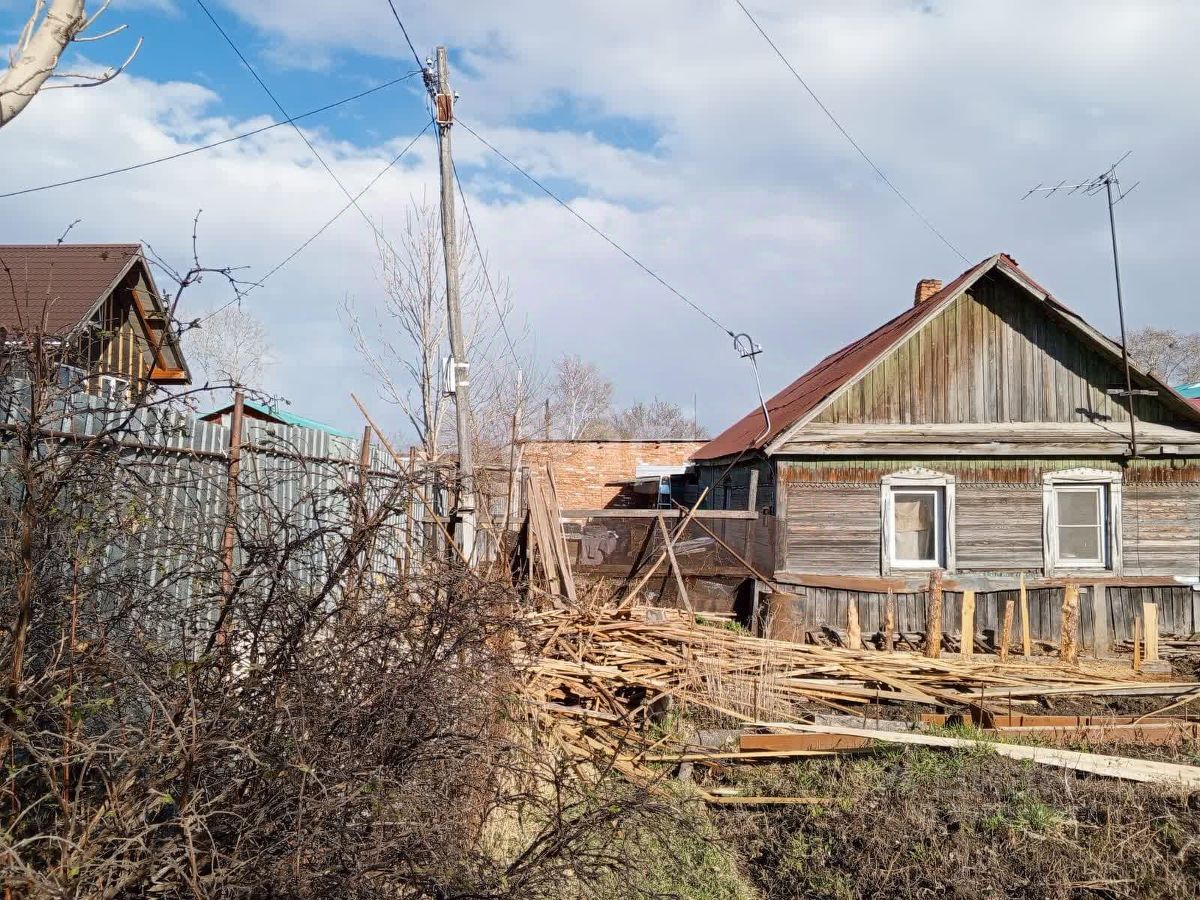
458 373
1106 181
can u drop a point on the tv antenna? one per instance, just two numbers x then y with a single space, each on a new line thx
1108 182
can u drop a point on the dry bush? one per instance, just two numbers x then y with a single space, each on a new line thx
310 724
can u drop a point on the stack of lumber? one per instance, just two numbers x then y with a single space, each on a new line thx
597 677
547 543
1169 648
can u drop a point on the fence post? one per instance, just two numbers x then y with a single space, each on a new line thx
229 539
933 616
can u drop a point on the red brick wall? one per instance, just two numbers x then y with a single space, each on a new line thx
585 471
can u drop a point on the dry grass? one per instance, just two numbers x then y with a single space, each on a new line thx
918 823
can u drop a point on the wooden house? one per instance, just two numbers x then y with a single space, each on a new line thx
101 302
986 433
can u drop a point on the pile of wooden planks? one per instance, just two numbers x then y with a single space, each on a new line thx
599 676
547 549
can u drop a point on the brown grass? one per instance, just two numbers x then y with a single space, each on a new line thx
925 823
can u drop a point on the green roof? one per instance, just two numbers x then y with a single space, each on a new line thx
1191 391
283 416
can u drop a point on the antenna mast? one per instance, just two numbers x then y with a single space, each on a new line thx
1108 182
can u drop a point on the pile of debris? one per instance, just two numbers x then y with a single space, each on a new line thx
603 678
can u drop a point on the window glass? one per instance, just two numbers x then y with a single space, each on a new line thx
1081 523
915 524
1078 507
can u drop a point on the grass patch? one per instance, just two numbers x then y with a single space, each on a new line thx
923 822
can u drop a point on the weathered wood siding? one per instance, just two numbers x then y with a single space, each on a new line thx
992 356
1161 528
831 522
731 490
808 609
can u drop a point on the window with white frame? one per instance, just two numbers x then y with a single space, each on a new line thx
918 521
114 387
1082 516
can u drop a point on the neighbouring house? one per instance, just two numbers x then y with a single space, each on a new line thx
1191 392
262 412
982 432
615 474
101 300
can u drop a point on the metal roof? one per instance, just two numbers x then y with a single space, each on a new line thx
1191 391
58 284
803 396
282 416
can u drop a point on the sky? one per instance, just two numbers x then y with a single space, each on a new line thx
674 128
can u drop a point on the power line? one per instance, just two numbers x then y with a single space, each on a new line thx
633 259
416 56
846 134
220 143
483 265
370 184
298 129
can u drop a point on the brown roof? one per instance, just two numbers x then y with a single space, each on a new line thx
804 394
63 282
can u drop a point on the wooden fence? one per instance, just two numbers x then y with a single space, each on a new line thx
811 608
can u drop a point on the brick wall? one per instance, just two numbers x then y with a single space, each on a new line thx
586 472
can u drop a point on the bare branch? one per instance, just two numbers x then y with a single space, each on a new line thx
52 27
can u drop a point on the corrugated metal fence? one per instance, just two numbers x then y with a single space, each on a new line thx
295 484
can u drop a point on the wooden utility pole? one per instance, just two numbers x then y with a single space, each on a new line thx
459 370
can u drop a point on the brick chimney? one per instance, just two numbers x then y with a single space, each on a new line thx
926 288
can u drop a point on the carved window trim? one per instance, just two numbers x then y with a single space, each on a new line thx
1111 483
918 478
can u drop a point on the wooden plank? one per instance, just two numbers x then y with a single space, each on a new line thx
680 586
1026 637
853 627
1137 642
1005 636
1101 638
889 622
653 513
802 742
967 631
1150 618
1023 720
1172 774
1068 640
933 616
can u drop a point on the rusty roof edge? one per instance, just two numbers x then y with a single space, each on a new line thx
773 446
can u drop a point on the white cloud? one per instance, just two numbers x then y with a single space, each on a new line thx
747 200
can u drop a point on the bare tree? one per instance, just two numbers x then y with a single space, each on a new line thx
1171 354
53 26
405 345
230 345
580 398
656 420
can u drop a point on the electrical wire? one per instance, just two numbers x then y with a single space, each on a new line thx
370 184
846 134
353 201
483 265
220 143
748 351
416 56
633 259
